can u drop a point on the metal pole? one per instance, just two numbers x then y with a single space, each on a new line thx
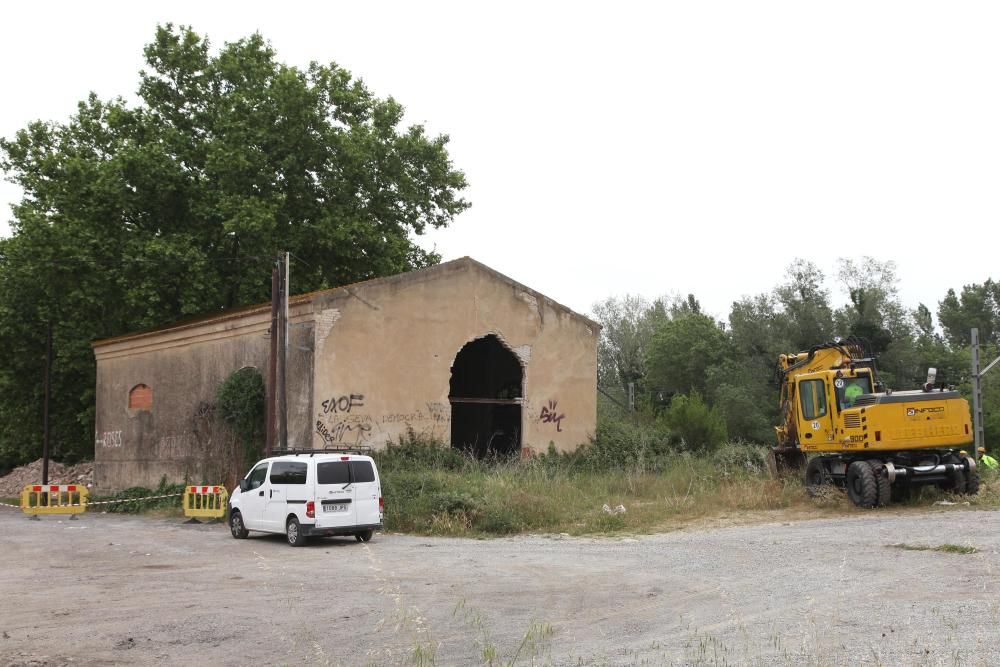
272 366
977 395
45 404
283 358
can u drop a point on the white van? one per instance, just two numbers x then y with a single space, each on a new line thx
309 493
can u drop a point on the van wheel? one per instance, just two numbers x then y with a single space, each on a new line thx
236 526
364 535
293 531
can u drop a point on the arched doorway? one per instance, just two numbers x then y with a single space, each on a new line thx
486 381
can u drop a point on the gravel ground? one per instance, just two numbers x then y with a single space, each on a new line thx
111 589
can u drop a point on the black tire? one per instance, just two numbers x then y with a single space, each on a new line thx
883 495
236 526
901 491
816 476
971 483
861 485
293 532
364 535
956 482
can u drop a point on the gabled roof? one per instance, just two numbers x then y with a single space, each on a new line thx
301 299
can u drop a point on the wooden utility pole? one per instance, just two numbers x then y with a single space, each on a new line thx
47 382
283 355
272 366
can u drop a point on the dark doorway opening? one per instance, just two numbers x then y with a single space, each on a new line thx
485 394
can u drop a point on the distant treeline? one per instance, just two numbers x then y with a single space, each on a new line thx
669 347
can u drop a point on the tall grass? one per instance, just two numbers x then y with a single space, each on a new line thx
436 490
432 489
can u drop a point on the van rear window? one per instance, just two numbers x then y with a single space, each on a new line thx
361 471
333 472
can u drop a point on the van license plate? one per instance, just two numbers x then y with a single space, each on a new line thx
335 507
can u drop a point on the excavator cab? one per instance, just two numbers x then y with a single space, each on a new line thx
815 416
849 389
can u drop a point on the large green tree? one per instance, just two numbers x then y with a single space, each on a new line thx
976 306
136 215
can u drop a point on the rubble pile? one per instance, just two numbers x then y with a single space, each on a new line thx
12 483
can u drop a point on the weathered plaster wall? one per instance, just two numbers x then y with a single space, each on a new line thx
385 350
379 355
180 437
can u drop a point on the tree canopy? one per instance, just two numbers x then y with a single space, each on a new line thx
135 215
723 373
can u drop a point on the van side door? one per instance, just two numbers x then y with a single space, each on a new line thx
252 500
366 493
285 493
335 506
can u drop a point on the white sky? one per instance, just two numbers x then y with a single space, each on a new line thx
646 148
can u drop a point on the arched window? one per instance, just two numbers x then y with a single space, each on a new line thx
140 397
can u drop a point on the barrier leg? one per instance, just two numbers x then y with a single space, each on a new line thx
33 517
192 520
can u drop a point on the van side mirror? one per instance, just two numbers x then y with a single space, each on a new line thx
244 485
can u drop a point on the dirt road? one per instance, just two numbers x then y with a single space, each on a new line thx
125 590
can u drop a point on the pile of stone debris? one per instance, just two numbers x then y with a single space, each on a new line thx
12 483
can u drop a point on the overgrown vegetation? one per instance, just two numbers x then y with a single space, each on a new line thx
240 404
131 500
433 489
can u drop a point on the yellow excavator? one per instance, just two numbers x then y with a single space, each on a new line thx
876 443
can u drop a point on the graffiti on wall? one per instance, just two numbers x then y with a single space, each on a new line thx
550 415
172 446
338 426
344 421
108 439
343 403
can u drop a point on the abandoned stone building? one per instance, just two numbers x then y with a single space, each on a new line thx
457 352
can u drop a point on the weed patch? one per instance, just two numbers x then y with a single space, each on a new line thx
945 548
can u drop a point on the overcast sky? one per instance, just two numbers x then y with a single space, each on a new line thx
646 148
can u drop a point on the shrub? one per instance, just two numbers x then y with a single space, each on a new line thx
240 401
697 426
132 498
618 445
415 450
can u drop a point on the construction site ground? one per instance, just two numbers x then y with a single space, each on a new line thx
112 589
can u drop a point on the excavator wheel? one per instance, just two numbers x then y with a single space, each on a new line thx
971 483
882 485
861 485
955 483
900 492
816 476
785 460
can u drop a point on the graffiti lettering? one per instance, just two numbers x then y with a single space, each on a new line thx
343 403
343 433
108 439
173 445
550 415
440 413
